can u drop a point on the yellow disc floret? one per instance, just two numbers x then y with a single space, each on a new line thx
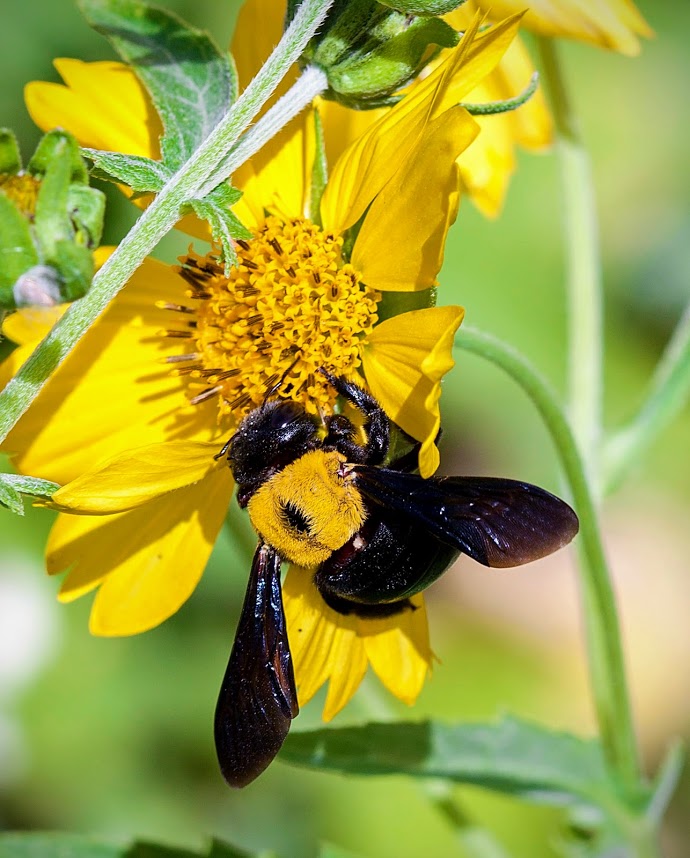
22 189
309 509
290 306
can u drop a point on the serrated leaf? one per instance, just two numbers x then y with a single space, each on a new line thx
142 175
225 225
511 756
55 845
10 498
191 82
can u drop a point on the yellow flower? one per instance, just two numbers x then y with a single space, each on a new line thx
614 24
132 419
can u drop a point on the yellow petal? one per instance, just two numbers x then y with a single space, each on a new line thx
487 165
399 651
258 30
613 24
400 245
311 632
277 179
148 561
113 393
404 360
348 667
328 646
370 161
136 477
102 104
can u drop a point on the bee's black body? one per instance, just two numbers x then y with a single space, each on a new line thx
408 531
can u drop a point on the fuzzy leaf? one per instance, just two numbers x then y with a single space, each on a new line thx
225 226
10 498
142 175
191 82
511 756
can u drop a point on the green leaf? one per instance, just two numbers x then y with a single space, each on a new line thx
511 756
142 175
55 845
60 845
329 851
10 498
191 82
225 226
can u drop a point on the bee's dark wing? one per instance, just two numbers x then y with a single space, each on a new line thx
257 699
497 522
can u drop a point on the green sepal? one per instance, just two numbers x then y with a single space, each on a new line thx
17 251
381 68
505 105
319 171
13 486
395 303
191 82
142 175
60 146
368 50
10 156
45 256
86 207
424 7
225 225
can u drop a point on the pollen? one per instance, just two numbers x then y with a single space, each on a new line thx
22 189
290 306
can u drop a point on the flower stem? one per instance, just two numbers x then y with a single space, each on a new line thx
669 391
603 633
581 233
157 219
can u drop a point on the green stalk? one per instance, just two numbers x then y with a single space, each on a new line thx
157 219
584 287
669 392
606 664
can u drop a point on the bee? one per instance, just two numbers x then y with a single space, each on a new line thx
375 534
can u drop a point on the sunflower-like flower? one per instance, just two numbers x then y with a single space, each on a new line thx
132 419
613 24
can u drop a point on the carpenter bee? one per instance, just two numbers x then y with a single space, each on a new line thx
373 534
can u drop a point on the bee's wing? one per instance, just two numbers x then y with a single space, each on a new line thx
497 522
257 699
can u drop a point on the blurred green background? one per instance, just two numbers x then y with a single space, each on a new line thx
113 737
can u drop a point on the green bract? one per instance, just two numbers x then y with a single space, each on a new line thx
369 50
424 7
50 222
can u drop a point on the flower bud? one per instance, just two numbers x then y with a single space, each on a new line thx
370 49
50 222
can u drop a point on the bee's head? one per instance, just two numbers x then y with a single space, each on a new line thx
269 438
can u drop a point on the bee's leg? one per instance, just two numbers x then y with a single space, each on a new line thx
376 425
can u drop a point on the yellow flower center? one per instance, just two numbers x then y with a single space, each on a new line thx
22 189
289 306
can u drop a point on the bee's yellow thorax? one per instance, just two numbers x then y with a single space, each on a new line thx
309 509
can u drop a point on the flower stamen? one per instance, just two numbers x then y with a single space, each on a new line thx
290 294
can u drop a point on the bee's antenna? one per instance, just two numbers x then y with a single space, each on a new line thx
276 387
